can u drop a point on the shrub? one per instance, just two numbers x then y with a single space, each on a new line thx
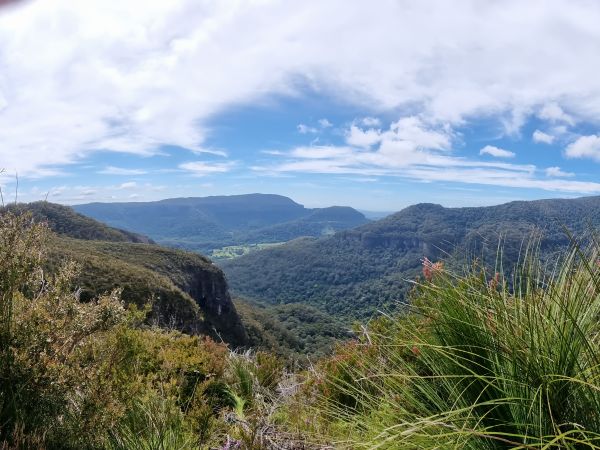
79 375
480 362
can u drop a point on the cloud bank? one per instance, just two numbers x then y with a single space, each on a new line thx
131 76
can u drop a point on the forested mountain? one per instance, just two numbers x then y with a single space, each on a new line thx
188 292
355 272
207 223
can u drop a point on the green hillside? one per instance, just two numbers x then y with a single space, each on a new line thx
355 272
294 331
187 291
65 221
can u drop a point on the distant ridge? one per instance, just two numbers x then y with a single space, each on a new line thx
206 223
357 271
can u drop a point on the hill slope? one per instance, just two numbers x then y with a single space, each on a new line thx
65 221
188 292
357 271
206 223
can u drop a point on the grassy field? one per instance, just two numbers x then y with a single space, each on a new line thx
235 251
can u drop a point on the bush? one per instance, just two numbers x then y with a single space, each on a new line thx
89 374
480 362
43 328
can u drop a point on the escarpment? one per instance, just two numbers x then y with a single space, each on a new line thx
185 290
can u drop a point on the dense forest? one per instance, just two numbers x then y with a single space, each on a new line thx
357 272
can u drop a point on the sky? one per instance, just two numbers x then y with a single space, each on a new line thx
375 105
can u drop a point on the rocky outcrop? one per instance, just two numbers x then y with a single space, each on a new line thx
209 290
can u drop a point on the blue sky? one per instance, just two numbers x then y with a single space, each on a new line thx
376 106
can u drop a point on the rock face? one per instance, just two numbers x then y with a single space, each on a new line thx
209 290
190 293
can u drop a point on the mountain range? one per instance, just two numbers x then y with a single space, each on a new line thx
358 271
206 223
298 295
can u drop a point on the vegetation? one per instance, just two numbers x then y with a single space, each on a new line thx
188 292
296 332
88 375
66 222
480 362
356 273
204 224
477 361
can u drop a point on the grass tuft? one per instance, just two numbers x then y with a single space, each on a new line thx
480 362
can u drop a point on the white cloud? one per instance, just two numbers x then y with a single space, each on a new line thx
540 136
415 130
362 179
112 170
584 147
210 151
557 172
129 76
128 185
272 152
324 123
202 168
554 113
370 122
83 194
305 129
414 150
362 138
496 152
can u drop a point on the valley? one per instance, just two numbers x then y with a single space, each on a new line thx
299 225
329 315
352 275
235 251
358 272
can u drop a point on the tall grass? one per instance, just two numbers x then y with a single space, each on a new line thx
155 424
481 362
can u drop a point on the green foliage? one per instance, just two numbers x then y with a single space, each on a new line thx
480 362
293 331
88 375
188 292
44 329
356 273
64 221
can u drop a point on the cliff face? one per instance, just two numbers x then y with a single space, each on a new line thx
186 290
208 288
